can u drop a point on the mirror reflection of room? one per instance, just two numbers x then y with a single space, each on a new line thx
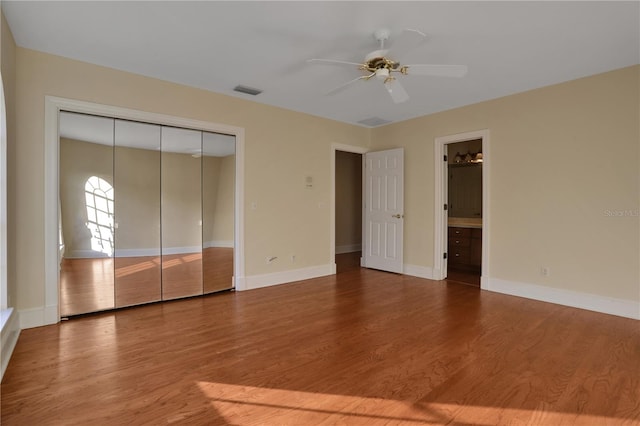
218 200
146 213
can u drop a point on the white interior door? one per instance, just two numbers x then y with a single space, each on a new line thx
384 210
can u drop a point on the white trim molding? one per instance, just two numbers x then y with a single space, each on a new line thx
285 277
218 244
37 317
49 313
9 333
420 271
591 302
349 248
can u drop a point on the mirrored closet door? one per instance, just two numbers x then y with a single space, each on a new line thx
218 213
137 206
181 215
146 213
86 214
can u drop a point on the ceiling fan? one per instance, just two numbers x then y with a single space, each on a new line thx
377 64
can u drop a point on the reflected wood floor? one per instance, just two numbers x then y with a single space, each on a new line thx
87 285
359 348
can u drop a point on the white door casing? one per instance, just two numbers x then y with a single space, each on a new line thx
440 198
384 210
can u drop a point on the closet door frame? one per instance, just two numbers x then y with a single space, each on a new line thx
53 106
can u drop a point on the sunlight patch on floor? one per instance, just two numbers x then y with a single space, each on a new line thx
255 405
281 406
135 268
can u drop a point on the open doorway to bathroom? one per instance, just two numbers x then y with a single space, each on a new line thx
464 206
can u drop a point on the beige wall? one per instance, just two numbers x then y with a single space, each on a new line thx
348 199
8 68
555 173
548 209
281 148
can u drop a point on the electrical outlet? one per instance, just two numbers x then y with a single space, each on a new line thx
545 271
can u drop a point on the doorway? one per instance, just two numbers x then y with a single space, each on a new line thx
348 210
474 227
464 211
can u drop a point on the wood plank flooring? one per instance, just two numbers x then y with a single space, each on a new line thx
463 277
360 348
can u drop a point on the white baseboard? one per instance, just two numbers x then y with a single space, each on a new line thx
37 317
265 280
350 248
84 254
218 243
419 271
143 252
592 302
9 332
92 254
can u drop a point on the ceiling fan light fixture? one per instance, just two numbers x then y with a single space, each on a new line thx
382 73
377 64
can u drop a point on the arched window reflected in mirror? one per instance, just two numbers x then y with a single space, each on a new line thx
99 202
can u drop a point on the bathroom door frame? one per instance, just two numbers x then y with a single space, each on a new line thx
440 195
53 106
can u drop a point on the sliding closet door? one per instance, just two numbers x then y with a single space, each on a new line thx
218 213
181 212
86 214
137 214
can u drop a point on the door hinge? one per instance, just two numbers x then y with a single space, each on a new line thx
444 255
446 206
445 158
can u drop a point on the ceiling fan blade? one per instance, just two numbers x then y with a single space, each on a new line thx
395 89
332 61
437 70
347 84
407 40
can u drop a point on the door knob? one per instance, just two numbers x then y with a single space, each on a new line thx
398 216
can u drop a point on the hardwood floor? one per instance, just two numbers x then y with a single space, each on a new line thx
463 277
361 347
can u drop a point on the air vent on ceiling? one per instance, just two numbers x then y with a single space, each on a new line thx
374 121
247 90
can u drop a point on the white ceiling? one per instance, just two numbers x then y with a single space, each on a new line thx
107 131
509 47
